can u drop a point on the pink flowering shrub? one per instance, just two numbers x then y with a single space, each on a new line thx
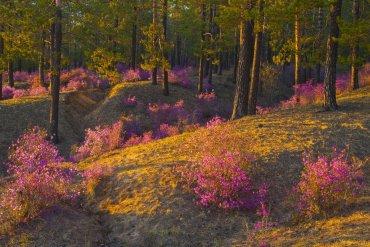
215 121
180 77
19 93
8 92
74 85
220 181
32 149
129 101
327 182
100 140
38 181
36 91
21 76
167 113
131 76
136 140
263 110
166 130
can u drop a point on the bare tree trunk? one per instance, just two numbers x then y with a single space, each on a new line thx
42 61
330 100
236 57
10 73
318 65
240 107
355 47
154 71
1 52
55 72
253 94
134 40
297 64
165 90
211 43
201 59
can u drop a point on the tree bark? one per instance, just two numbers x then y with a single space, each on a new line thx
297 61
240 107
1 74
236 57
318 64
42 61
355 47
165 89
134 40
253 94
330 101
55 72
154 70
11 73
201 59
211 43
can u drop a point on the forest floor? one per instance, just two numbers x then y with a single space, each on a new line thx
144 203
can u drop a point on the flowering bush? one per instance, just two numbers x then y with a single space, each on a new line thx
100 140
21 76
37 179
36 91
131 76
166 130
19 93
166 113
136 140
220 181
129 101
8 92
327 182
179 76
32 149
217 120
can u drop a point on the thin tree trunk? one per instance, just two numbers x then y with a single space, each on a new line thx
1 74
211 43
253 94
297 64
240 107
55 73
10 73
201 59
154 71
355 47
42 61
330 100
165 90
178 50
134 40
236 57
318 64
220 65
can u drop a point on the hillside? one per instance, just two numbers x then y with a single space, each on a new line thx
143 203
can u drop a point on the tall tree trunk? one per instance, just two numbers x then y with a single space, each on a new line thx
330 100
42 61
355 47
55 72
154 71
165 90
211 43
201 59
297 62
134 40
178 50
11 73
240 107
221 63
236 57
1 53
253 93
318 64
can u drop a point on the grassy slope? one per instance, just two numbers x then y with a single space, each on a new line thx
143 204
